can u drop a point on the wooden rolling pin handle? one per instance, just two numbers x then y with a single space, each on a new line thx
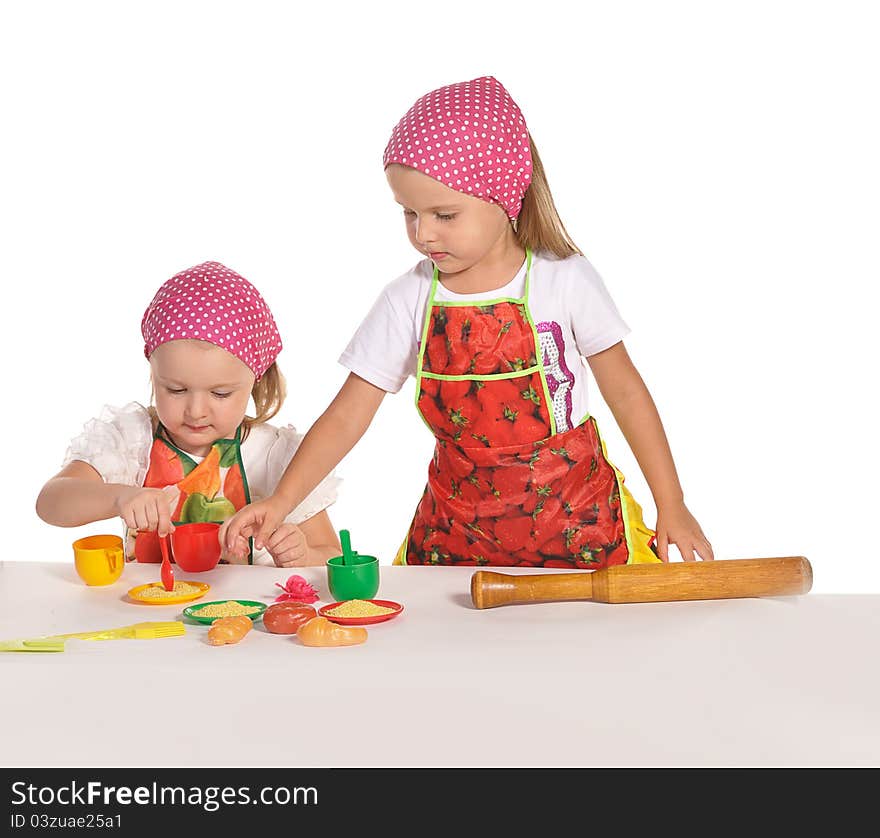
489 589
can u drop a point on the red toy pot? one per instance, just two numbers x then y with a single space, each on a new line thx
196 547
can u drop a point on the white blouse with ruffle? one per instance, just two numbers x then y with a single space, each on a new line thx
117 445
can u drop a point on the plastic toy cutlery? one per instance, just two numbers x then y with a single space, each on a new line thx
167 573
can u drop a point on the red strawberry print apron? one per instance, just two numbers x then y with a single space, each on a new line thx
212 490
504 487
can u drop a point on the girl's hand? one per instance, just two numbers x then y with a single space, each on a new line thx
289 547
239 551
677 526
259 519
144 509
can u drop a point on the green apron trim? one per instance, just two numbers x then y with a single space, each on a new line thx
473 377
423 348
160 431
539 355
188 462
481 304
247 488
240 461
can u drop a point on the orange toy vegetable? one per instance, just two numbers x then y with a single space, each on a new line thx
322 632
229 630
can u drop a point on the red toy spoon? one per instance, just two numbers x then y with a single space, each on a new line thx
167 572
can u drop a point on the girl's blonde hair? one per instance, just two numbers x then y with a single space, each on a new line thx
268 394
539 226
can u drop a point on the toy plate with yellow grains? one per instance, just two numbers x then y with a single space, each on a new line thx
207 612
155 594
360 612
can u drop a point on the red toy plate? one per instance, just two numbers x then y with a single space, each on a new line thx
361 621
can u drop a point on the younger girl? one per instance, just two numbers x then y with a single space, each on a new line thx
211 342
493 325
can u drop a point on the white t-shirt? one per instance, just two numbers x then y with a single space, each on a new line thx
573 312
117 445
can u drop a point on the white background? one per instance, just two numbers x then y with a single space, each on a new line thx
716 162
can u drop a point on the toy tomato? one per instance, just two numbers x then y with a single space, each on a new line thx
287 617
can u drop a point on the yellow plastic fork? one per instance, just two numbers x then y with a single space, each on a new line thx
138 631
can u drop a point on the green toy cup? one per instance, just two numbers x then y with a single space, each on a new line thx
356 579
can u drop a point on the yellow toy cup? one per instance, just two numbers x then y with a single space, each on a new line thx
99 559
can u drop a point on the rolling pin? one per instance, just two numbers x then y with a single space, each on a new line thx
666 582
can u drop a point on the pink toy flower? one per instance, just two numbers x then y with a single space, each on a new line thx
296 589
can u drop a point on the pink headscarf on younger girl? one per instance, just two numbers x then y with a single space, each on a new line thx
210 302
470 136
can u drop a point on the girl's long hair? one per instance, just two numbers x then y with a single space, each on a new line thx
268 394
539 226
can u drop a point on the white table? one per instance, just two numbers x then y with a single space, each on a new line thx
751 682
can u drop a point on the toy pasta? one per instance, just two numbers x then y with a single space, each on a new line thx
229 630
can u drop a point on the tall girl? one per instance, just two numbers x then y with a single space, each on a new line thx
493 322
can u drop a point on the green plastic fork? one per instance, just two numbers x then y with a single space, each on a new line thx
40 644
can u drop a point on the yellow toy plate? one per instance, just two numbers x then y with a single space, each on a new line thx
137 593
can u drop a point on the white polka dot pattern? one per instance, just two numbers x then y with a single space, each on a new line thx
472 137
210 302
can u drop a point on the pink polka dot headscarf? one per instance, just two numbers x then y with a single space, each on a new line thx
470 136
210 302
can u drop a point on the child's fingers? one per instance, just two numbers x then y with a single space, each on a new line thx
290 550
687 551
165 525
285 538
296 552
141 521
240 548
662 547
268 525
704 548
163 516
274 542
221 534
152 513
232 528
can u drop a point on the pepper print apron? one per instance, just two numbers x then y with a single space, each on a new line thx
504 488
210 491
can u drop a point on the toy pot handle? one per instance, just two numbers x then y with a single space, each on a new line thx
113 559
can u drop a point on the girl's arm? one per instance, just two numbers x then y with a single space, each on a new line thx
78 495
636 414
332 436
